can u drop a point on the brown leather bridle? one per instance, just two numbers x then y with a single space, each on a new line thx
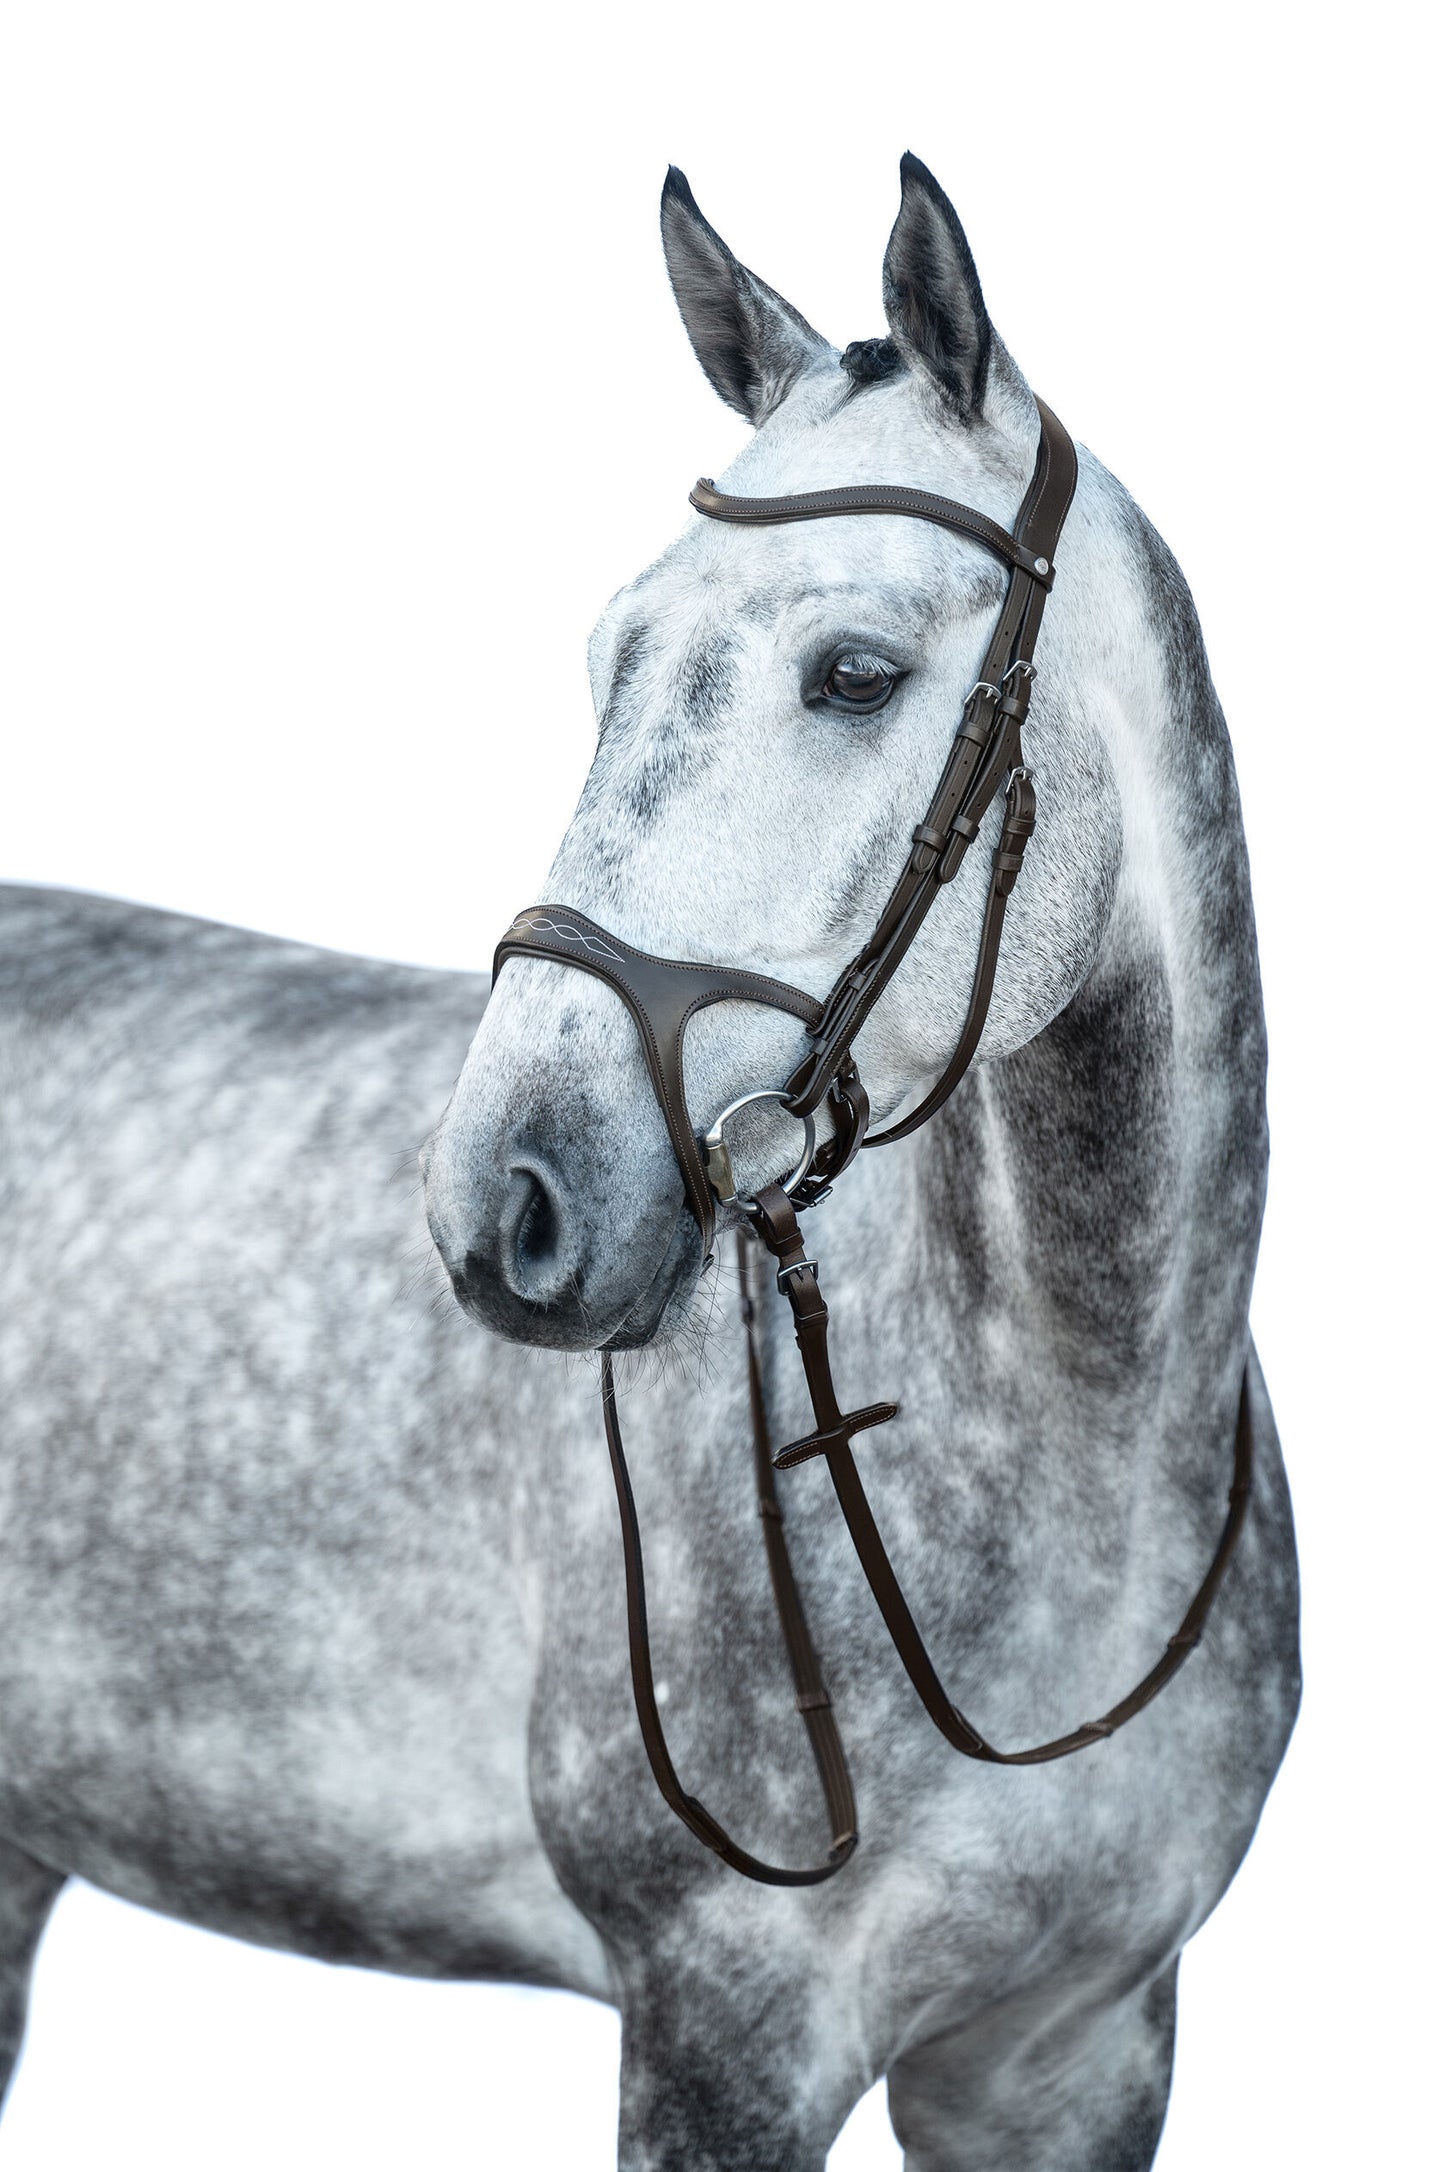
664 994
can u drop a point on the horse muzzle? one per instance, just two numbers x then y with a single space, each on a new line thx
550 1237
564 1213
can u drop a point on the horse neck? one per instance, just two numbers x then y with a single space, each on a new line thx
1097 1195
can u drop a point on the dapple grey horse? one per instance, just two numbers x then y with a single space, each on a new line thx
311 1591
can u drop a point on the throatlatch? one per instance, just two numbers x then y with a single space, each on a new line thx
664 994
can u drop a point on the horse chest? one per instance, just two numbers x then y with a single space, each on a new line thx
973 1846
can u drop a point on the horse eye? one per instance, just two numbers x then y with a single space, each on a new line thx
858 682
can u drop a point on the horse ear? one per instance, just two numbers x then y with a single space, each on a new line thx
753 345
931 294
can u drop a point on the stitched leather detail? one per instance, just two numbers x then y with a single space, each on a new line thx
565 934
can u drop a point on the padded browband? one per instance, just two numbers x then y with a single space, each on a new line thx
874 498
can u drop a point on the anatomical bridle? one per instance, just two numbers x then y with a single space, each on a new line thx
663 994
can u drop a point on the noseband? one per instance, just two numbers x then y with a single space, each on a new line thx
664 994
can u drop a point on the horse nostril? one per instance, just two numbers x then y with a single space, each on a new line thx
536 1257
538 1230
528 1243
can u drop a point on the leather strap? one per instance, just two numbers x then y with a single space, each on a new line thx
811 1695
986 748
1018 828
777 1224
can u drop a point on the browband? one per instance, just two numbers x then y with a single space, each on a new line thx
873 498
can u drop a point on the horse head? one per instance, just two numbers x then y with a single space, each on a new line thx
774 705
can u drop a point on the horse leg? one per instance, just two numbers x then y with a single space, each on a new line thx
28 1892
718 2079
1085 2093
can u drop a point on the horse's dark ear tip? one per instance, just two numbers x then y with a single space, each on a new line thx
677 190
912 173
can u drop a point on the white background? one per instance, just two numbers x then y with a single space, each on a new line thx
317 320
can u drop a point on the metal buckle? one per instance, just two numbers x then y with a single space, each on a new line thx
719 1161
796 1269
1019 664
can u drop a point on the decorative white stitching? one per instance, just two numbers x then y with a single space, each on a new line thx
572 935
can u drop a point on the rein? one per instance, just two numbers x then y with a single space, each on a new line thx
664 994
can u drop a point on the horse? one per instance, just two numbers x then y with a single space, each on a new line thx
313 1622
